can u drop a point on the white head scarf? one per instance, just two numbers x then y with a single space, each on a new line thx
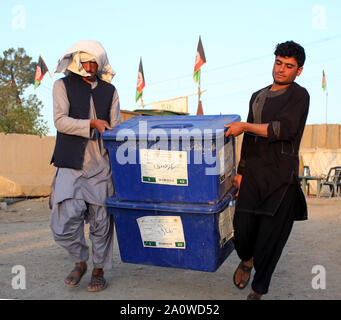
82 51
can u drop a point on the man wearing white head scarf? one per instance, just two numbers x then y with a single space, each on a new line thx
85 104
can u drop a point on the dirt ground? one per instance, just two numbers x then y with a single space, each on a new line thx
309 268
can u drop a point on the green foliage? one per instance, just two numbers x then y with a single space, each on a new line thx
19 114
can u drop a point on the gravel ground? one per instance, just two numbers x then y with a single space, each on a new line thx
309 268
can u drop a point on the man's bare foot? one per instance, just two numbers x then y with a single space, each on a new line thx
75 276
242 274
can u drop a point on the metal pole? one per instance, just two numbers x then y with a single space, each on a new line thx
199 92
326 107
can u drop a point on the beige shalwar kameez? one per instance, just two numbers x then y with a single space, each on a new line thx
80 195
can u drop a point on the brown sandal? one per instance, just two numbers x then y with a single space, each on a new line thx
97 283
75 277
247 270
253 296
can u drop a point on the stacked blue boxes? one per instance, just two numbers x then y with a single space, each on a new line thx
173 202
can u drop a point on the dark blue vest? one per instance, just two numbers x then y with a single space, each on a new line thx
69 149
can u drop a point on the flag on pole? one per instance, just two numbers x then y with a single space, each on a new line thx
200 60
41 69
140 82
324 84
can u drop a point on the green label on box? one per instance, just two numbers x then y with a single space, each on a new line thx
181 181
180 244
150 243
148 179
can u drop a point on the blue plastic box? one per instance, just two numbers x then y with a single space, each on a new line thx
197 237
182 159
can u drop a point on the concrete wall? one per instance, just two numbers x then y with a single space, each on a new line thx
24 165
322 136
325 142
25 168
125 115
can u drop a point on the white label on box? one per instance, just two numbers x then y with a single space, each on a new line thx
162 232
226 225
164 167
225 158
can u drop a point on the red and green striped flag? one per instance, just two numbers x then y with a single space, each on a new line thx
324 84
41 69
200 60
140 82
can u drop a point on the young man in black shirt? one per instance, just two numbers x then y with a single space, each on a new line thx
269 196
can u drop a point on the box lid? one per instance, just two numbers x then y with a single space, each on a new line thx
113 202
164 127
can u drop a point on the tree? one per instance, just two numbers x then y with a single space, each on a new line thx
19 113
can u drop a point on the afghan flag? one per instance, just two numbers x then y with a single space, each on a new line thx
324 84
41 69
200 60
140 82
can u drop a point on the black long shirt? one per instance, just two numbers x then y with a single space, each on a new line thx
269 165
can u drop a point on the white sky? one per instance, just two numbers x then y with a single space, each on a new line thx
238 37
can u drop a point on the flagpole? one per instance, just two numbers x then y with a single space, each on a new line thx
326 106
324 87
142 105
200 60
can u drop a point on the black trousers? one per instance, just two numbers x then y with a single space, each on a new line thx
263 238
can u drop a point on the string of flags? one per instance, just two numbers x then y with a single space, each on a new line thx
200 60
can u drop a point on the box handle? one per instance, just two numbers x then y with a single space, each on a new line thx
172 126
